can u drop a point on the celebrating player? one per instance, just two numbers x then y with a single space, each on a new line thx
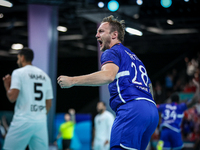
31 88
172 115
129 86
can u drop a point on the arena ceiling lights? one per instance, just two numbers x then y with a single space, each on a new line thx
5 3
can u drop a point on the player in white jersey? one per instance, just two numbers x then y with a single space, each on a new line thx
31 88
103 123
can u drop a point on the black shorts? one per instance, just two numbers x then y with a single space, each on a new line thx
66 144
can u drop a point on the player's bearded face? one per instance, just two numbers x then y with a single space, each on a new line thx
105 43
100 111
104 36
100 108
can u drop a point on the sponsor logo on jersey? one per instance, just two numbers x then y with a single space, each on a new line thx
37 108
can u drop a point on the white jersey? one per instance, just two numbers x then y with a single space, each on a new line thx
35 88
103 124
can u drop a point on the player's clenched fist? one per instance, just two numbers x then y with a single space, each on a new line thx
65 81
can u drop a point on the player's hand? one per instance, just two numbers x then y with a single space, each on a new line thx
72 111
65 81
106 142
7 81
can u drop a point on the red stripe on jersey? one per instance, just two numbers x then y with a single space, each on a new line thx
106 62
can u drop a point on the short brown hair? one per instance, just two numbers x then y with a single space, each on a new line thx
116 25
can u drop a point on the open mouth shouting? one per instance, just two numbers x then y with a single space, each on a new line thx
100 43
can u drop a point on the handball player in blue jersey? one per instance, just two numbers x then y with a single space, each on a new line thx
129 86
172 115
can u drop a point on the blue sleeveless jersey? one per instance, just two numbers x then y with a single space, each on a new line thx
172 115
131 82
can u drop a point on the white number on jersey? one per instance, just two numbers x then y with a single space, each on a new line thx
168 114
143 74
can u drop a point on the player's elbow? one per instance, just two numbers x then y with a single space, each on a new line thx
12 95
110 78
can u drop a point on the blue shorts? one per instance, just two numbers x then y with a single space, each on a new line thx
171 139
134 124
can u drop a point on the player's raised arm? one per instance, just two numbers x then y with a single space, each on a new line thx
196 95
105 76
12 94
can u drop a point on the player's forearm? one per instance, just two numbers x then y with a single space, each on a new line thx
8 93
95 79
7 88
11 97
48 105
48 109
194 99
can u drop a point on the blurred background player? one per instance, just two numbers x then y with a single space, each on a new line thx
172 115
66 130
103 123
31 88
